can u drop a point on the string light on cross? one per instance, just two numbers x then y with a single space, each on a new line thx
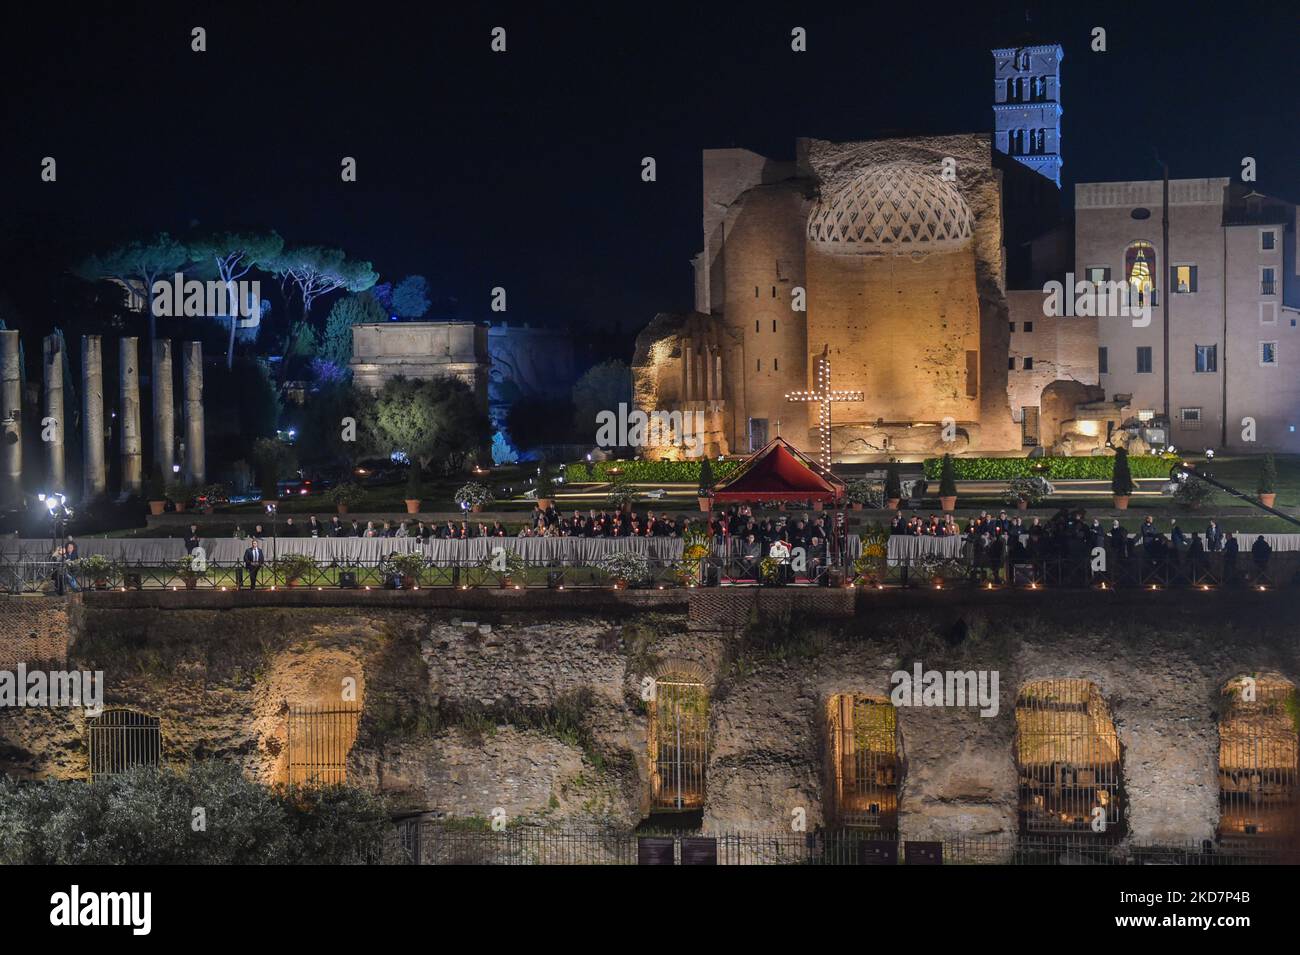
824 396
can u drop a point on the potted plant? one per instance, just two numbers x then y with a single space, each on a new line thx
211 495
545 486
506 565
294 567
1267 486
706 485
862 493
948 484
190 568
893 485
98 569
473 496
769 569
155 492
1121 481
626 567
344 495
697 544
413 490
1024 491
620 495
409 566
179 493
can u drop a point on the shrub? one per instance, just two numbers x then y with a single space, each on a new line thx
947 478
154 488
545 485
1193 493
410 564
1121 481
346 494
505 565
867 493
295 566
1099 468
179 492
620 494
662 472
707 479
1030 489
893 483
93 569
1267 476
474 494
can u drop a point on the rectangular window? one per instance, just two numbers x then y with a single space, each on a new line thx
1182 279
1207 358
1144 360
1098 273
758 364
774 291
1029 326
1146 415
1013 327
1011 364
972 374
755 326
776 364
1267 354
1268 281
1103 361
1028 363
1267 240
1191 418
1268 313
774 324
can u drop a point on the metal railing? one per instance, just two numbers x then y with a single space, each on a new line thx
433 842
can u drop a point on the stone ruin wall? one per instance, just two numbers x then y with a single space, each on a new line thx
220 681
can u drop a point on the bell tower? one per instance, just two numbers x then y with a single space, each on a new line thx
1027 107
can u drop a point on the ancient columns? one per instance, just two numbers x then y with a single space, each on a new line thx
132 455
192 375
164 420
94 479
11 404
52 427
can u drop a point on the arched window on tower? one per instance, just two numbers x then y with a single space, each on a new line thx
1068 759
678 741
1140 274
865 762
119 740
1258 790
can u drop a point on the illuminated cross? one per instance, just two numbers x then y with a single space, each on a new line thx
824 396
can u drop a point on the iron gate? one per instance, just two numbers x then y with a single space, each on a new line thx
1068 757
1257 761
320 738
679 731
120 739
865 760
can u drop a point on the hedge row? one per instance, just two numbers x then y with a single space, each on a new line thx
660 472
1058 468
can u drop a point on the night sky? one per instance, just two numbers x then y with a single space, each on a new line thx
523 169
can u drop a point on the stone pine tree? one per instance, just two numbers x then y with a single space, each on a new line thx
138 265
313 271
231 256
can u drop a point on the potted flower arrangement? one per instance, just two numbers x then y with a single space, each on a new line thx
863 493
706 486
545 486
697 544
625 567
1121 480
1024 491
948 484
769 569
474 496
101 571
893 485
344 495
294 567
506 565
190 568
869 567
1267 486
937 569
408 566
413 490
179 493
155 492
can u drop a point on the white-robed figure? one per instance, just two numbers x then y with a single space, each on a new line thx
779 550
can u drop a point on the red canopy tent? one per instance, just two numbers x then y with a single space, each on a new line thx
779 472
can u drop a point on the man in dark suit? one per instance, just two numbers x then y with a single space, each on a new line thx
254 558
192 539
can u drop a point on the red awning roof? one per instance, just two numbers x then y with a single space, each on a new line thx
778 472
